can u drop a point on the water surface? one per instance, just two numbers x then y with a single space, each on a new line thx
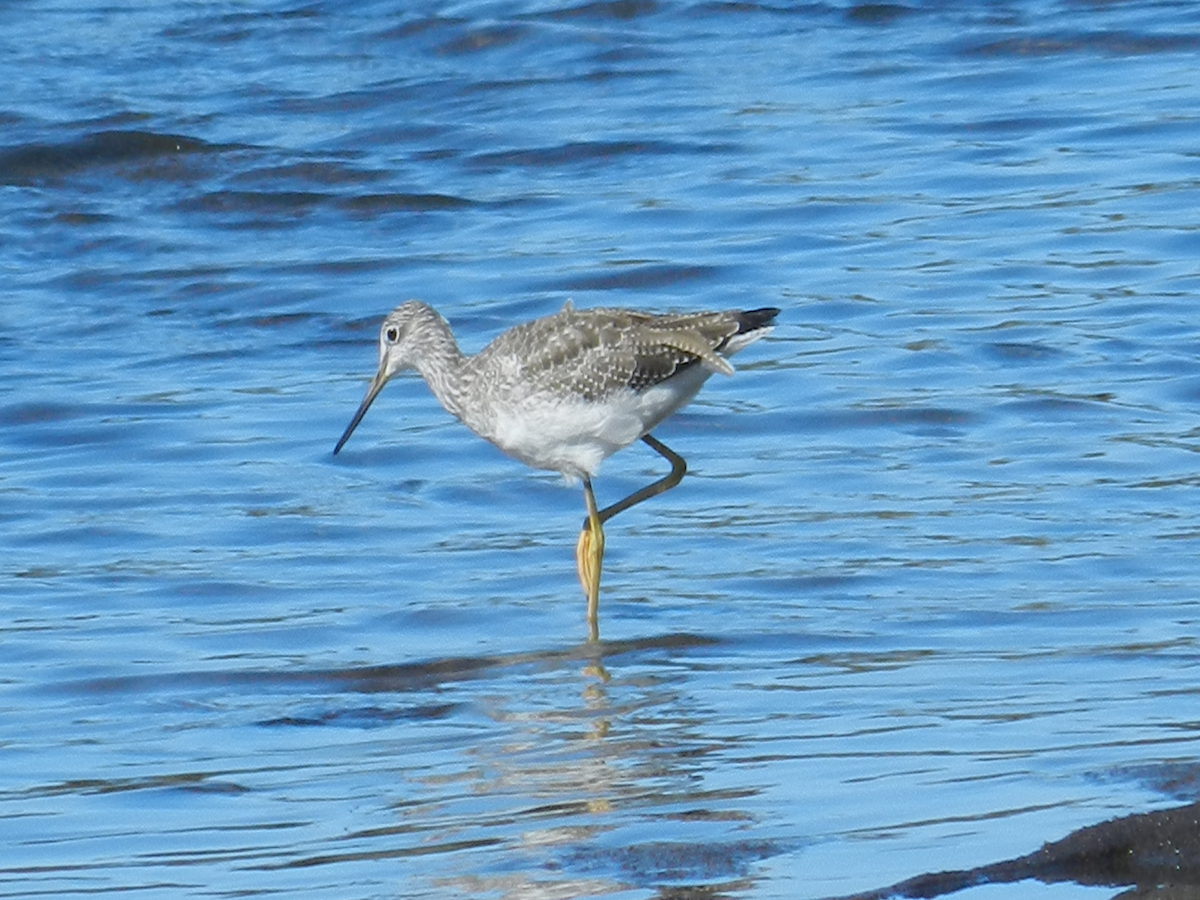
927 598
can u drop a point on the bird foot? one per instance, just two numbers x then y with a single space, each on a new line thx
589 553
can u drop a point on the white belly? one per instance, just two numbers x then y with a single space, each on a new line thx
574 436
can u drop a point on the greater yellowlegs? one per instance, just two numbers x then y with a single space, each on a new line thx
566 391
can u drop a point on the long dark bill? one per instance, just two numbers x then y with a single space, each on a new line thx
372 392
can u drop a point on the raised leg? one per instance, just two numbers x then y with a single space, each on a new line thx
664 484
589 551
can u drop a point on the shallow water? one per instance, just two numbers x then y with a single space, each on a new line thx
926 599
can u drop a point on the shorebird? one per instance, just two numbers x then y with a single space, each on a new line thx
566 391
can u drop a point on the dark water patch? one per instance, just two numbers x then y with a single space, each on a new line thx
346 266
634 277
56 425
405 133
750 7
84 219
234 27
293 204
214 355
375 204
197 782
1008 127
574 153
797 586
272 320
1052 405
1022 351
476 40
928 419
40 413
1111 43
365 716
34 163
910 416
619 10
309 172
366 326
432 848
422 26
201 278
859 662
89 536
668 862
403 677
878 13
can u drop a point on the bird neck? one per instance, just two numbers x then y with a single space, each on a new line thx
441 363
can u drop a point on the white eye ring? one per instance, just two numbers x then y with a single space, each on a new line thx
391 334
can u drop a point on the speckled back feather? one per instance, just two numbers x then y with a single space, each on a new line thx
591 353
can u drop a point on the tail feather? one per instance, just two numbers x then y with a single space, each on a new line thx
751 325
754 319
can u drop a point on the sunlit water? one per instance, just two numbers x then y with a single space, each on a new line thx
927 598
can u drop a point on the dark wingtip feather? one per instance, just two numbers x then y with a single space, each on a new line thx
754 319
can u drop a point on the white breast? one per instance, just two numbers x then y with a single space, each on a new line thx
572 435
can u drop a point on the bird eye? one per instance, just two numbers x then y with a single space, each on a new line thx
391 334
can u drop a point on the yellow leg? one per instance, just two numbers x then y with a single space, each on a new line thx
589 551
589 554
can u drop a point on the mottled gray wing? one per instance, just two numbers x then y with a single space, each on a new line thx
591 353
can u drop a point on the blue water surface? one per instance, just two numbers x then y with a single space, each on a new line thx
927 598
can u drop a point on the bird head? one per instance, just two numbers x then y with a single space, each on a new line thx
397 339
